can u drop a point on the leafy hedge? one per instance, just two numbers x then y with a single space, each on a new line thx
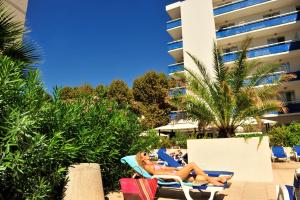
285 135
41 136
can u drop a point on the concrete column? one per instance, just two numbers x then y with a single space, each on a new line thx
84 182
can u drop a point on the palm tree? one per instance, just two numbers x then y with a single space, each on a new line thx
230 95
11 34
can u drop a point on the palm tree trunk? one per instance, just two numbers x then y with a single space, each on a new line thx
226 132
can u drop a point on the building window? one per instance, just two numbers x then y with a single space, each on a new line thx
230 49
271 14
276 40
288 96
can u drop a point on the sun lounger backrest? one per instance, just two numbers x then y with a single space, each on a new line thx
165 157
297 149
278 151
131 161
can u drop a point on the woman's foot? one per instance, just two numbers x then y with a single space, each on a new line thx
199 183
216 183
224 179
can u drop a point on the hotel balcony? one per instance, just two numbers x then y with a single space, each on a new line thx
267 51
236 6
177 91
293 113
175 68
174 29
280 23
239 9
173 24
174 10
176 50
274 77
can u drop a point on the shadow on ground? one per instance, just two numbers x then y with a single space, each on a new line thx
167 193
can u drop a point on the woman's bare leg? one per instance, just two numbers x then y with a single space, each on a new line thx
193 167
209 179
186 170
183 173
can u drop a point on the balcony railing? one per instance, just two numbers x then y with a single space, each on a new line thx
177 92
264 50
175 68
275 77
260 24
236 6
173 23
175 45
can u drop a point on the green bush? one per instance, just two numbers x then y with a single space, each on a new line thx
40 137
285 135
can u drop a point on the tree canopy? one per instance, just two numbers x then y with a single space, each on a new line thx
150 92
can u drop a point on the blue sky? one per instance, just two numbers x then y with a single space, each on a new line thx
97 41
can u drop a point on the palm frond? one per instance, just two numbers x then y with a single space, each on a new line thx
10 29
11 38
198 110
24 51
239 70
201 67
261 73
219 67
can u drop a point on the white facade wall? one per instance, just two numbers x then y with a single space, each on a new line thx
18 7
198 35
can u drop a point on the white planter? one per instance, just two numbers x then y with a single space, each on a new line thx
85 182
248 158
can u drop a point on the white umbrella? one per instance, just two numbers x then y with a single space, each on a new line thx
187 126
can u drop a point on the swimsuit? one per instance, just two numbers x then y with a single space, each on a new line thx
158 167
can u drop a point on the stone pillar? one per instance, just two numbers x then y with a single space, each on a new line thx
84 182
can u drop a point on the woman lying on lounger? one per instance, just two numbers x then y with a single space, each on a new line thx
184 173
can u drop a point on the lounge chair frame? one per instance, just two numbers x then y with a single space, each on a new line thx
297 178
186 189
297 156
178 183
285 192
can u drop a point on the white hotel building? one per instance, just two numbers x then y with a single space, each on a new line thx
18 7
273 25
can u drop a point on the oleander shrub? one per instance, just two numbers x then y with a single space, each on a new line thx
285 135
41 136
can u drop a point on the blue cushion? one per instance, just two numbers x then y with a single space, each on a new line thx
297 149
131 161
291 191
278 152
165 157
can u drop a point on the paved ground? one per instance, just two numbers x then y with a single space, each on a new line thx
283 174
